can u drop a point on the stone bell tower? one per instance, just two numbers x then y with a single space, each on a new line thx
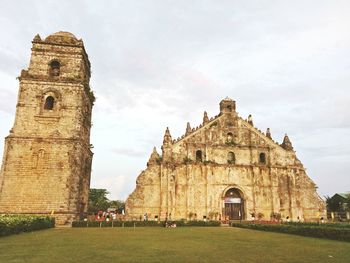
47 159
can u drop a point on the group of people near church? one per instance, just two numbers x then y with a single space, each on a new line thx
168 222
106 216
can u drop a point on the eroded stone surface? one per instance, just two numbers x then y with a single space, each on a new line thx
184 183
47 158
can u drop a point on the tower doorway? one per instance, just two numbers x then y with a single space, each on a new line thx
234 204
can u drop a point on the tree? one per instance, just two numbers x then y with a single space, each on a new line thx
335 203
98 200
348 202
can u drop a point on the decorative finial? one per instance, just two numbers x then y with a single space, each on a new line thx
205 118
37 38
250 119
167 137
286 144
154 157
268 133
188 129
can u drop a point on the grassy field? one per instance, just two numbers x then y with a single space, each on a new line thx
187 244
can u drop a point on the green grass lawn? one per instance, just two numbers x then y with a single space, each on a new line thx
153 244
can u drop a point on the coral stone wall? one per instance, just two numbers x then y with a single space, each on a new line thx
196 171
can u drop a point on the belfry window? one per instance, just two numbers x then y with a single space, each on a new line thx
49 103
231 158
262 158
199 156
55 68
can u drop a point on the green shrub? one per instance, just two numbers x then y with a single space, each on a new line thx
304 229
337 225
116 224
138 223
14 224
179 223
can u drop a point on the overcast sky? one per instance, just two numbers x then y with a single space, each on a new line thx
162 63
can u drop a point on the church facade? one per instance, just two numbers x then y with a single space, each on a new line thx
225 169
47 159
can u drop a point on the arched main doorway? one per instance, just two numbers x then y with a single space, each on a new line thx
234 204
